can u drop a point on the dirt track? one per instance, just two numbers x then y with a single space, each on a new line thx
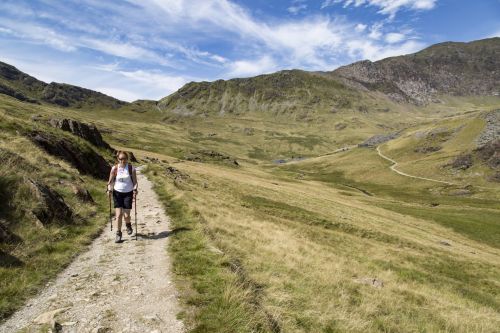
393 168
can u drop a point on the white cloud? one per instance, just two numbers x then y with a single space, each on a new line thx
369 50
5 31
297 6
394 37
121 93
218 58
360 27
122 49
375 31
245 68
140 39
167 83
38 34
387 7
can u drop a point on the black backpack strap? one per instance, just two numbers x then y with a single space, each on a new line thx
131 173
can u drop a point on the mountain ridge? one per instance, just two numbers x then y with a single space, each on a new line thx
449 68
455 68
26 88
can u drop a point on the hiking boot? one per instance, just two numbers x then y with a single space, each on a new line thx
129 228
118 238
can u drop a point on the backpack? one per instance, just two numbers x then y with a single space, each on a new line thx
130 172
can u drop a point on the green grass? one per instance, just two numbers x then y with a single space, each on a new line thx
218 296
480 225
37 253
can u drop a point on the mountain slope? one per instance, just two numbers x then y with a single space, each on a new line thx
282 92
24 87
460 69
447 68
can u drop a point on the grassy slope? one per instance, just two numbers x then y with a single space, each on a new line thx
43 252
279 247
304 242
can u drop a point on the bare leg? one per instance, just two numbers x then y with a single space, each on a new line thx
119 215
126 215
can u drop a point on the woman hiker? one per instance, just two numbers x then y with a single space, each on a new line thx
123 185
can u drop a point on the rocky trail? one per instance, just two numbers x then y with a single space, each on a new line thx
393 168
124 287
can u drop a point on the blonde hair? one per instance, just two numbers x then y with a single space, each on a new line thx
120 152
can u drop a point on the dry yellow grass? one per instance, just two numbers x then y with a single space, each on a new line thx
308 271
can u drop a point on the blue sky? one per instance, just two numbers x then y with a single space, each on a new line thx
148 49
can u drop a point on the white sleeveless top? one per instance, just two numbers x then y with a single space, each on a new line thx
123 180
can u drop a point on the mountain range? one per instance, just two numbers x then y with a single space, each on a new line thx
451 68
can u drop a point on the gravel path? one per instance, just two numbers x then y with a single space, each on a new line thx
123 287
393 168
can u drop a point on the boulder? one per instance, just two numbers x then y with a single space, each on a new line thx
249 131
48 318
374 282
211 156
462 162
82 194
489 152
50 204
427 149
340 126
83 158
82 130
6 236
175 174
378 139
7 260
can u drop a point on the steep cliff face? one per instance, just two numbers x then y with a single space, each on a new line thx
459 69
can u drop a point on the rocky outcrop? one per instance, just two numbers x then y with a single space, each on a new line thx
82 194
6 236
6 90
82 130
50 206
211 156
175 174
490 153
427 149
378 139
448 68
492 129
7 260
462 162
83 158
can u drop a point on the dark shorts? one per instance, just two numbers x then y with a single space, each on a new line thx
123 200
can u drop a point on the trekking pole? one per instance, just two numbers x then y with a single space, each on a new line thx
110 216
135 209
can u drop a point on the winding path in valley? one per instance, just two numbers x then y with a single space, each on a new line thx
394 165
124 287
